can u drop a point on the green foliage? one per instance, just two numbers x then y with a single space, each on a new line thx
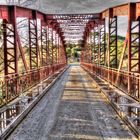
73 52
121 38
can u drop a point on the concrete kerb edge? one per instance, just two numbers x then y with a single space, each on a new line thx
122 116
19 118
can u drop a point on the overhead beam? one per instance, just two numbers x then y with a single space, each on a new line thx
122 10
137 10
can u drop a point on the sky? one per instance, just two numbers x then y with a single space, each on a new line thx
79 6
75 7
69 6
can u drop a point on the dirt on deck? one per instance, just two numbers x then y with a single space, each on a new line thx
73 109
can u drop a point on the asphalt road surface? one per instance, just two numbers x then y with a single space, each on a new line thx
73 109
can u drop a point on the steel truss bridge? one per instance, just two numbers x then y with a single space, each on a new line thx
48 56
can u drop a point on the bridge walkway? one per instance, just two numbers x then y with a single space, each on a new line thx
73 109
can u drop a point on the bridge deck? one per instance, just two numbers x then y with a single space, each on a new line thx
74 109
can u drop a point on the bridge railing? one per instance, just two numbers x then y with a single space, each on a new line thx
117 78
14 85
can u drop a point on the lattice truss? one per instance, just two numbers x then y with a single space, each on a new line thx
96 46
113 42
44 45
135 50
36 44
22 40
89 48
55 47
50 44
73 26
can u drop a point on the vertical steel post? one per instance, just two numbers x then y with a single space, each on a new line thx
10 43
112 48
91 58
131 18
55 47
90 46
43 45
33 41
10 53
52 46
96 44
48 46
102 43
99 43
58 49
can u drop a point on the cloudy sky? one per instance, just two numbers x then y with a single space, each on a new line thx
69 6
79 6
75 7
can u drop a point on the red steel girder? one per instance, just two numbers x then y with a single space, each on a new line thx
43 46
25 12
74 16
96 50
33 42
137 10
131 18
10 43
112 38
102 42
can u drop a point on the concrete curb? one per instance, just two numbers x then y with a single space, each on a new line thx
122 116
20 117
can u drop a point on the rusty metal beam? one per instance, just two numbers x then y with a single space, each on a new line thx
131 17
33 42
43 46
121 10
102 42
22 53
25 12
137 10
10 46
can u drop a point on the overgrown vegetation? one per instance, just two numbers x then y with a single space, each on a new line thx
73 53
